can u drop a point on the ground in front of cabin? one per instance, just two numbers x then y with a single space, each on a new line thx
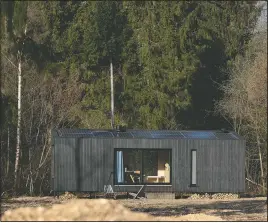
242 209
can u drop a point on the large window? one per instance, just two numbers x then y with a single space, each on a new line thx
142 166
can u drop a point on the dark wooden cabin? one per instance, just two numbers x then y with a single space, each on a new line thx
165 161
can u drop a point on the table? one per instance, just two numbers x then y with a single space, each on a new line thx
155 177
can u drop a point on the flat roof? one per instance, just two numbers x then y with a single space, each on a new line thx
149 134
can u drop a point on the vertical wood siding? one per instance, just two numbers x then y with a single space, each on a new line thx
64 166
86 164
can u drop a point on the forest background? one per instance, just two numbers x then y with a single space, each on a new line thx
177 65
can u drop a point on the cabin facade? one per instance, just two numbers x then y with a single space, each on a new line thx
165 161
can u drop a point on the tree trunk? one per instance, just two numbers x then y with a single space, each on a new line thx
260 157
18 149
1 102
18 146
30 172
8 145
112 94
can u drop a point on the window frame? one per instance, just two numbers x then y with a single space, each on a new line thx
191 168
115 181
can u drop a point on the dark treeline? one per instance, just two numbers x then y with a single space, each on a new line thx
170 59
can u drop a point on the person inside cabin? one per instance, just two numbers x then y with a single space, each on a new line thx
167 173
126 168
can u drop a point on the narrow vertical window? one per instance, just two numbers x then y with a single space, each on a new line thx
193 167
120 167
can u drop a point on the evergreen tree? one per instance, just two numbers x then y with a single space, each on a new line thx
222 30
99 43
168 60
183 80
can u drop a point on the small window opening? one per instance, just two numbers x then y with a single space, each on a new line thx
193 168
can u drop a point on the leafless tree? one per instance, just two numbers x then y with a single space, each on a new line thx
245 103
49 102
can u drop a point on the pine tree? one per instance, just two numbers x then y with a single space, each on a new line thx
221 31
99 43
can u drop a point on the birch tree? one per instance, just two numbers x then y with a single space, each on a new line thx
16 17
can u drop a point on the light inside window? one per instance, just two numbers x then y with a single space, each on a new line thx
147 166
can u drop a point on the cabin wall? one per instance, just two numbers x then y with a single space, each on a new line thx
220 164
64 176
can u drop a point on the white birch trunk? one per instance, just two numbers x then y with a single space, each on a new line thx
112 94
18 123
18 147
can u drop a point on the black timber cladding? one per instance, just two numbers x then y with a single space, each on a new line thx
220 160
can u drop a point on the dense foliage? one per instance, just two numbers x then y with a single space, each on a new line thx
168 60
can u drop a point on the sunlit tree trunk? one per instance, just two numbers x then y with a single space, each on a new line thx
18 148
